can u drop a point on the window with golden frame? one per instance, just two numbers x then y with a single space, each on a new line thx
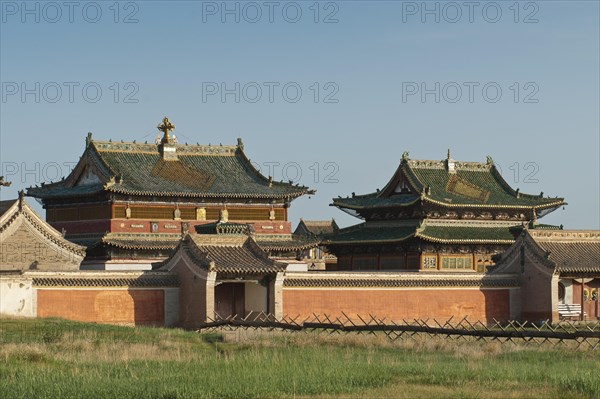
457 263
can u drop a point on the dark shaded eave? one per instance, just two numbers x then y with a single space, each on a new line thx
371 202
369 232
117 188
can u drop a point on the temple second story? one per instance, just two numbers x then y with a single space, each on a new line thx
129 201
442 215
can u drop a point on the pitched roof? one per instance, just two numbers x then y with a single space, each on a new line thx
571 251
374 232
452 184
459 234
139 169
17 216
316 227
142 241
292 242
104 279
227 254
443 232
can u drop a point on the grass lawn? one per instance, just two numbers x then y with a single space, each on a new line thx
49 358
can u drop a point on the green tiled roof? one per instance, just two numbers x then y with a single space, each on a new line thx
466 234
393 231
198 171
372 201
373 232
466 184
292 243
142 241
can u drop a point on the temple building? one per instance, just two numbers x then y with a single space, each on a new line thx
425 249
177 235
435 216
131 203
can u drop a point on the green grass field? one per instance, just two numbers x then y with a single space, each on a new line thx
61 359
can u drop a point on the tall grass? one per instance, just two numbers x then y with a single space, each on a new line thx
53 358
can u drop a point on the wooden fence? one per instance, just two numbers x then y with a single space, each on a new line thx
582 335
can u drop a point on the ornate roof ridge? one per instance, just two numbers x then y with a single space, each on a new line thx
470 223
182 149
554 204
122 234
318 222
414 279
565 235
441 164
221 240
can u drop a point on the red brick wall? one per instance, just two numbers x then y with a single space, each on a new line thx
103 306
440 304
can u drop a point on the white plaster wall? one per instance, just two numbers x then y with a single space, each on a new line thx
17 297
568 283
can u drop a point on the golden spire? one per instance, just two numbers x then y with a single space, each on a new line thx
166 126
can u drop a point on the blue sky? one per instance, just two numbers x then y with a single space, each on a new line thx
519 82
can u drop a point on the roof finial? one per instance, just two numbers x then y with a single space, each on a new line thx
21 198
4 183
450 164
166 126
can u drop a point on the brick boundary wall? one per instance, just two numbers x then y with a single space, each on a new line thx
396 304
107 305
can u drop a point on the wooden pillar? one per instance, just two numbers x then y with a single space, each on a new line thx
582 299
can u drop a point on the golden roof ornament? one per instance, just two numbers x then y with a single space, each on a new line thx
166 127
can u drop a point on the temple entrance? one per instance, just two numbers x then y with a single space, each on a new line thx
229 300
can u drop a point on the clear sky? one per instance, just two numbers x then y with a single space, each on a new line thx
517 81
